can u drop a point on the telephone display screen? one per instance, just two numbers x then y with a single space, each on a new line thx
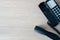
51 3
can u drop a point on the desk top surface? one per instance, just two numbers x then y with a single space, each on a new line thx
18 19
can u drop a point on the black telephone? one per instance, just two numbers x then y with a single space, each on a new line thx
51 10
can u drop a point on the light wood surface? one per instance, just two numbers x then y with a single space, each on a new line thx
18 19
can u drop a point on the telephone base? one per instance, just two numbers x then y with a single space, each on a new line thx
51 24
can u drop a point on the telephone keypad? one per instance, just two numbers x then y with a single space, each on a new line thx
56 10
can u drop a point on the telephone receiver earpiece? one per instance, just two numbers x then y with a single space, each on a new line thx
45 32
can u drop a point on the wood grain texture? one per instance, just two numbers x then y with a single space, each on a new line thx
18 19
58 1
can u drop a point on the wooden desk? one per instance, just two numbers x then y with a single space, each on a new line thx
18 19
